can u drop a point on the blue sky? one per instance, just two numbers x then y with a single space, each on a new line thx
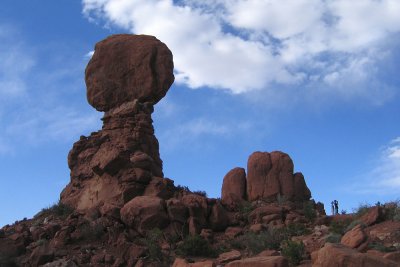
314 79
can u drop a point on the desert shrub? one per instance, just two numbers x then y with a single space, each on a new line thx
333 238
309 211
255 243
353 224
392 211
295 229
200 193
361 210
195 245
339 227
245 208
380 247
58 209
293 251
151 242
182 188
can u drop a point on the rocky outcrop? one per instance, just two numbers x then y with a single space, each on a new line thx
125 77
336 255
233 190
271 174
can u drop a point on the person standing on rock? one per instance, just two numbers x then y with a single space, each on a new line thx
336 203
333 207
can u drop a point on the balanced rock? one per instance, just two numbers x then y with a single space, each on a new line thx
126 67
271 174
126 76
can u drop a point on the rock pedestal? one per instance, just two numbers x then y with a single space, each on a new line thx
126 76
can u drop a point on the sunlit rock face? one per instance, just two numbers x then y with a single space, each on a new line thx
126 76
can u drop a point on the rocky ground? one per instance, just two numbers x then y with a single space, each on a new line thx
120 210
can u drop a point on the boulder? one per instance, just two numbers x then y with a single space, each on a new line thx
125 67
373 216
233 190
337 255
145 213
354 238
229 256
218 219
270 261
270 175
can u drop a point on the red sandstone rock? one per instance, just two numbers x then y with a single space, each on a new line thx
126 67
373 216
271 261
234 188
229 256
183 263
271 174
336 255
218 219
145 213
354 238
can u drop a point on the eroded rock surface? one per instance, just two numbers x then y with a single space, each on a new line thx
126 67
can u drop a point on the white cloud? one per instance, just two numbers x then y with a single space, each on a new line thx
384 178
251 45
15 64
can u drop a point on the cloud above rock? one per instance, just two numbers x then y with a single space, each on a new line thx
243 46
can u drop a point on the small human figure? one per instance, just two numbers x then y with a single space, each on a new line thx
333 208
336 206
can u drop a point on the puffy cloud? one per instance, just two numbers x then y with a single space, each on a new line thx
251 45
384 178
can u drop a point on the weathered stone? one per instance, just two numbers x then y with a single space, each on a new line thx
233 190
354 238
126 67
271 261
145 213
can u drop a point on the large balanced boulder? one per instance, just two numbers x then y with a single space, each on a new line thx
125 67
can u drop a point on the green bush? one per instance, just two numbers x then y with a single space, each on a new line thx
245 208
195 246
362 209
58 209
293 251
151 242
309 211
392 211
353 224
339 227
295 229
255 243
380 247
333 238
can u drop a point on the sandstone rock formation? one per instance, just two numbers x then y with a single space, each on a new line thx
125 77
271 174
125 67
269 177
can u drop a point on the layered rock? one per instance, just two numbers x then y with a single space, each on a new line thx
269 177
125 77
271 174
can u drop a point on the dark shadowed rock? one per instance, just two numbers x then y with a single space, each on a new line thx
125 67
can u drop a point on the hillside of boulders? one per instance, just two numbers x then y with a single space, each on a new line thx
119 210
